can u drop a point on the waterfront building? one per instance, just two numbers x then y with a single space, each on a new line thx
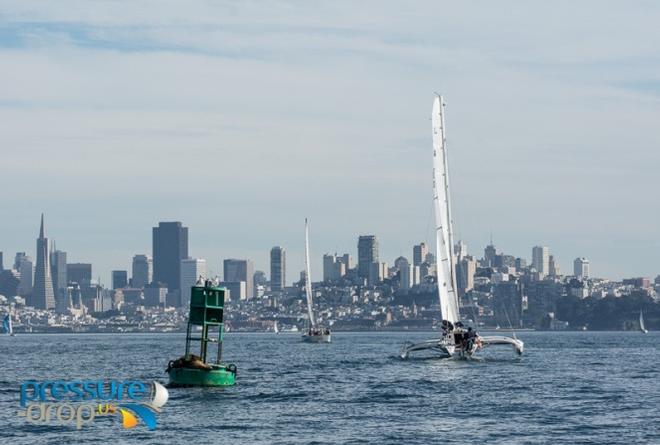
240 270
142 271
170 246
277 269
367 254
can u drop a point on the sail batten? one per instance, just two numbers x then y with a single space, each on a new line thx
443 221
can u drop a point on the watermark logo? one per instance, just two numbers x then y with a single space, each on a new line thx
79 402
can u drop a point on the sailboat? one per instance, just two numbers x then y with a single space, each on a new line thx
456 339
642 328
8 326
315 332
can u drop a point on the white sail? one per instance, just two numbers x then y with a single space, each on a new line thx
308 280
641 322
443 222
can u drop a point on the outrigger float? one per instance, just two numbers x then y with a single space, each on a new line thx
206 311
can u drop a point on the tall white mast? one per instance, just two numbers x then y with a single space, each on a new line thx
308 280
444 241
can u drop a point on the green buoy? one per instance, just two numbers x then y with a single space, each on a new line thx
206 311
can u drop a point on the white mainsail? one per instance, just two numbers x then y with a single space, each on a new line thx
308 280
443 222
641 322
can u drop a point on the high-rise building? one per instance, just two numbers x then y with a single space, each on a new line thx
43 296
553 267
460 250
489 255
119 279
142 271
377 273
329 262
466 268
405 274
541 260
419 253
335 267
155 295
80 273
192 269
170 246
23 264
240 270
277 269
367 254
58 270
581 268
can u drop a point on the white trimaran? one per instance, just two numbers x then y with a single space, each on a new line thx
315 333
455 338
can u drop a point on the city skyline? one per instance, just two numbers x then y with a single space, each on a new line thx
540 258
323 107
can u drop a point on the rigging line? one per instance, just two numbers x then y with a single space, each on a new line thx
513 331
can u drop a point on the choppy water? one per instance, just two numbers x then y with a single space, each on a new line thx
568 388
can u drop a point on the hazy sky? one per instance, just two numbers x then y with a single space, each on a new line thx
242 118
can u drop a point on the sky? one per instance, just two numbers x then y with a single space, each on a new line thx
240 119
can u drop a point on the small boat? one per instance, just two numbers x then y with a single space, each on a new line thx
275 328
8 325
315 332
642 328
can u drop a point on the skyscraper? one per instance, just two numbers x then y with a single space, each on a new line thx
142 271
277 269
119 279
553 267
541 260
405 275
581 268
419 253
367 254
23 264
58 270
192 269
170 246
240 270
80 273
43 296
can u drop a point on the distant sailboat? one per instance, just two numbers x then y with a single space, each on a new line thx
276 329
8 326
315 332
642 328
455 338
